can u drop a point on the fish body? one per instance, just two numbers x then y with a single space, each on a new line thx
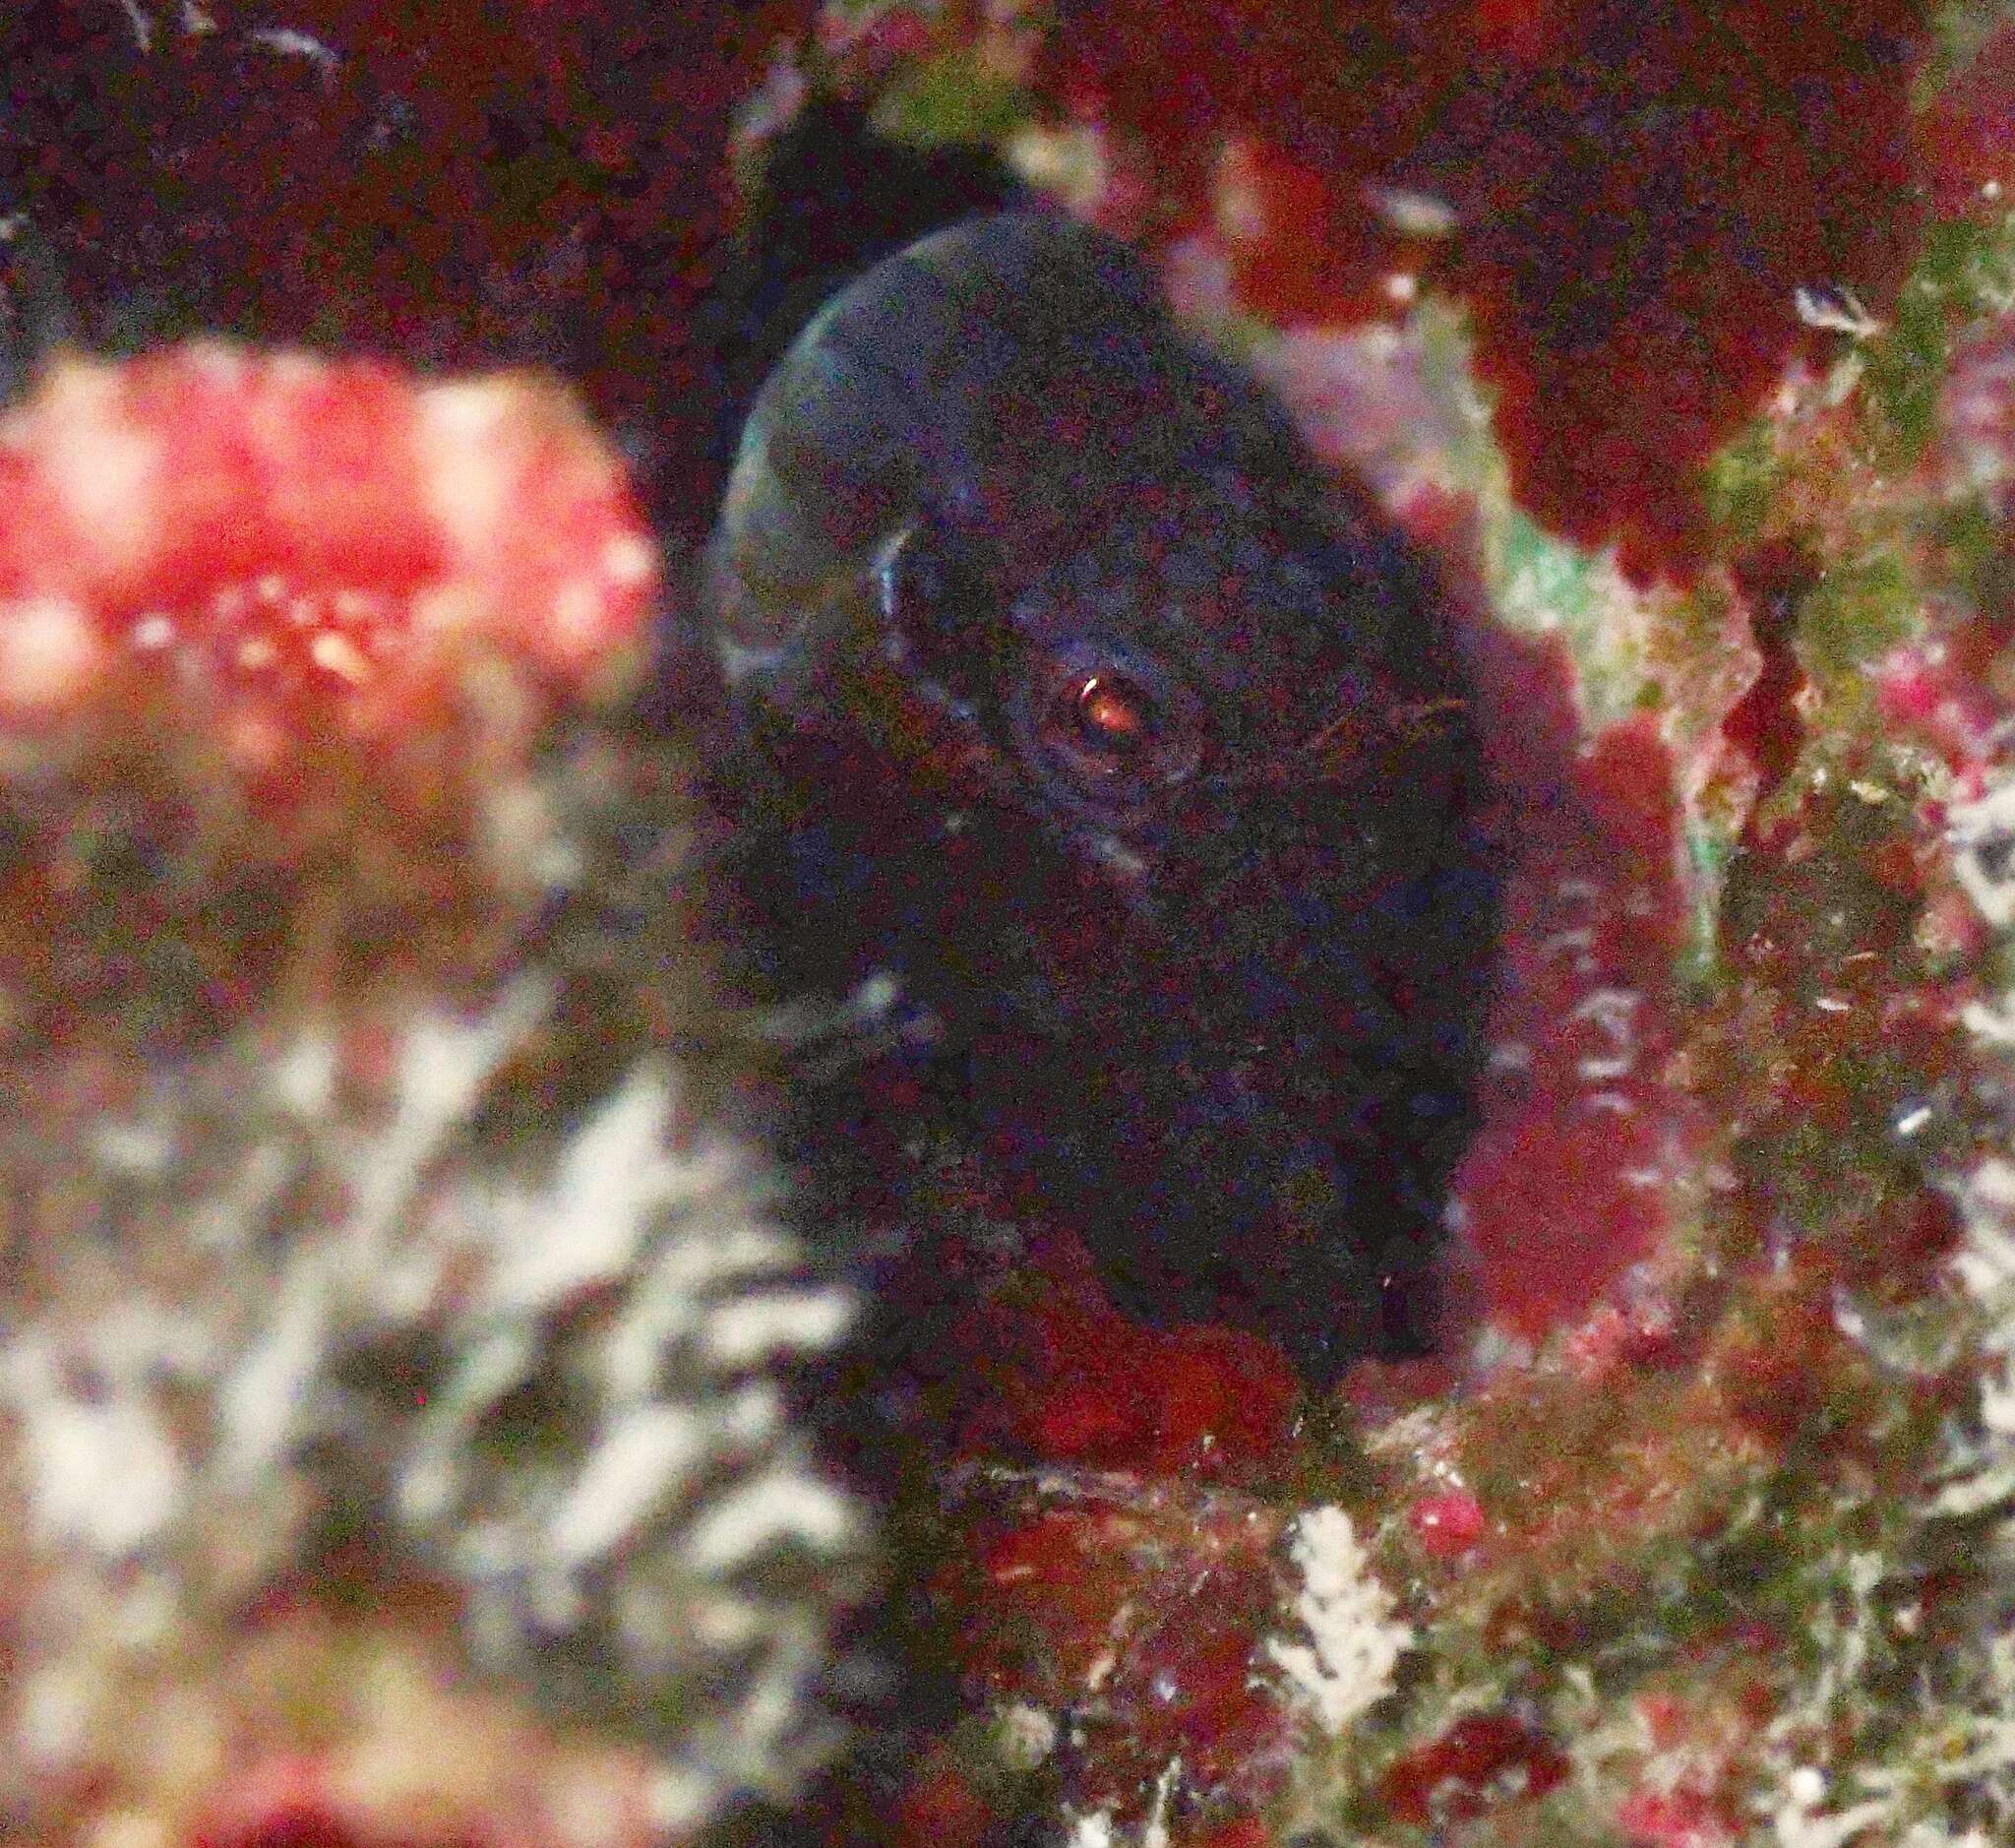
1087 716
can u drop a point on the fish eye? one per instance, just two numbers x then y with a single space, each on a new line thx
1108 717
1110 724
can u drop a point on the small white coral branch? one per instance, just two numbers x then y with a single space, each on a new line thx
1981 832
1982 1471
1346 1666
1798 1825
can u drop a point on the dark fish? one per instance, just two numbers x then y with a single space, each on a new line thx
35 312
1134 756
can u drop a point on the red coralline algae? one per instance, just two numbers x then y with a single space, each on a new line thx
1929 690
288 1804
1629 196
1677 1818
1111 1586
308 1825
1481 1764
298 542
1765 725
284 1804
870 41
941 1809
1134 1609
1447 1525
1564 1184
1518 30
1780 1375
1619 1339
1966 139
1073 1384
1245 1832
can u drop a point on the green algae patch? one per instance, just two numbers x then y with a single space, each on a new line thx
1967 271
953 96
1858 610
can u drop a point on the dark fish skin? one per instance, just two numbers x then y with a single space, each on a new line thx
832 199
1136 754
37 317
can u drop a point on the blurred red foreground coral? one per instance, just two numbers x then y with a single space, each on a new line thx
280 640
306 540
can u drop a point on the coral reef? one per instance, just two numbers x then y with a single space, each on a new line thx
1696 1534
1697 1541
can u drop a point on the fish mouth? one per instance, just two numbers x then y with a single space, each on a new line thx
1220 1195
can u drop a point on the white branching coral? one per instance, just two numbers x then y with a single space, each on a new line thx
455 1346
1980 833
1092 1831
1354 1643
1983 1467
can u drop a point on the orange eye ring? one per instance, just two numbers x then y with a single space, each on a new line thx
1113 713
1106 730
